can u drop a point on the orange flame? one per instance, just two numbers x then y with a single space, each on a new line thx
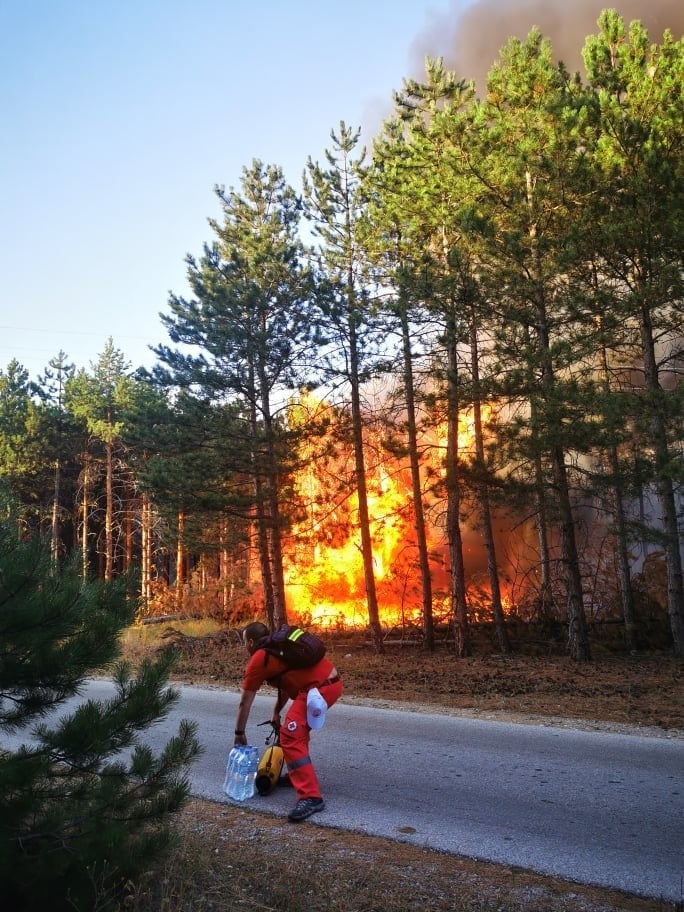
327 586
324 573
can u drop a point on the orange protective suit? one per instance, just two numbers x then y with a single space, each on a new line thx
295 734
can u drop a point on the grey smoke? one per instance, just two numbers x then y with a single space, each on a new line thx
470 39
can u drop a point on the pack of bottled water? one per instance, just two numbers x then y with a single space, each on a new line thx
241 771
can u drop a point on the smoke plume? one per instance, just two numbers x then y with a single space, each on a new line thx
470 39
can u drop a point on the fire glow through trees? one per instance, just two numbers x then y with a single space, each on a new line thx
324 575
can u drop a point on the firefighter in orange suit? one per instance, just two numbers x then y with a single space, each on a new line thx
293 684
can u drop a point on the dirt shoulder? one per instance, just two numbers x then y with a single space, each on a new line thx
352 872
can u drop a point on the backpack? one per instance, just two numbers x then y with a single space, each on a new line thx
295 647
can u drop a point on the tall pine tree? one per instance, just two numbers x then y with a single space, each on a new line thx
252 318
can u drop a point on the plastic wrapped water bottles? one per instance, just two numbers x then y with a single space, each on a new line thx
250 764
241 771
229 781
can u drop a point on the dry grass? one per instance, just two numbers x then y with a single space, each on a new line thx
232 858
235 858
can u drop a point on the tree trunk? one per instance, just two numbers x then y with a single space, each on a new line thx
181 558
416 485
360 472
109 512
128 525
545 596
578 643
273 514
624 574
454 538
264 554
260 510
664 486
54 537
224 564
145 548
546 600
84 517
483 496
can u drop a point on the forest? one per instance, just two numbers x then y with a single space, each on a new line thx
439 387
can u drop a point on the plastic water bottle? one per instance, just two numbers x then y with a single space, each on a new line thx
235 788
238 775
229 763
229 781
241 775
241 772
251 766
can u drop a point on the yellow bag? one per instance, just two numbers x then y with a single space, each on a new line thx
269 769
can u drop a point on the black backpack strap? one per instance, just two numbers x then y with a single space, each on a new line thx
274 679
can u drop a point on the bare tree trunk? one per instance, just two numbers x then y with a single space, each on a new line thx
146 548
54 537
181 558
128 525
454 537
624 574
664 486
262 527
483 496
578 643
223 567
84 516
279 602
109 512
273 514
362 491
622 547
546 601
416 485
264 556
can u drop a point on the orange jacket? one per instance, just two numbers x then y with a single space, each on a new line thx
265 667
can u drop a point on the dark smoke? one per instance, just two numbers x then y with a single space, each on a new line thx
470 40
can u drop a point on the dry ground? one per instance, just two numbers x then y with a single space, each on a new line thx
233 858
646 690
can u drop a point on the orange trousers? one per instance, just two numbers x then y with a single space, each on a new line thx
295 735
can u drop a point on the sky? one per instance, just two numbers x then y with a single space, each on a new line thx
120 116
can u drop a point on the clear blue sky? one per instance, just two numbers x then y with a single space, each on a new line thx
119 116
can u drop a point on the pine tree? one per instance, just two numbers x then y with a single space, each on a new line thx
77 818
252 319
52 391
23 447
391 244
423 191
100 399
334 202
191 458
638 251
445 103
523 149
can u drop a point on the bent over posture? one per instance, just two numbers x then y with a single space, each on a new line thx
293 684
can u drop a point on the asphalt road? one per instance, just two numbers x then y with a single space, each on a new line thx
591 807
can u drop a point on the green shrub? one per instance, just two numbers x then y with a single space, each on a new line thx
85 807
